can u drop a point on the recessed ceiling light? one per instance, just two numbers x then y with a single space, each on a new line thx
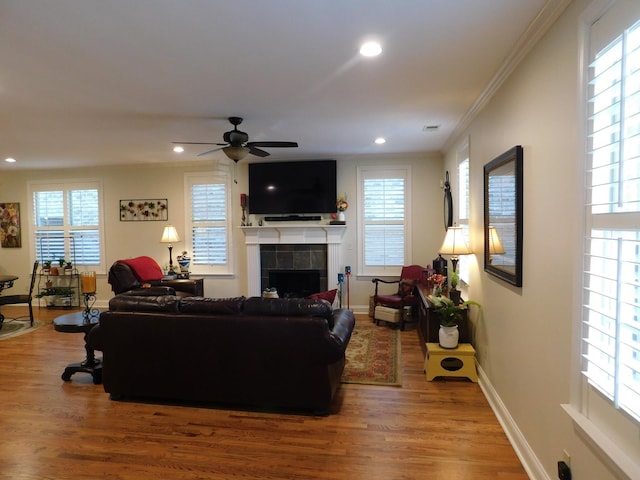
10 160
380 140
370 49
178 149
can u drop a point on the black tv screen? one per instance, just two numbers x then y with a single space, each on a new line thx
302 187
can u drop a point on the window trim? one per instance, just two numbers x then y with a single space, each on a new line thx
195 178
364 172
66 186
579 408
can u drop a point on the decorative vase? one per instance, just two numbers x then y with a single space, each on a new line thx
449 336
341 216
437 291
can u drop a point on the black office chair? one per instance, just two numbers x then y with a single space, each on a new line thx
14 299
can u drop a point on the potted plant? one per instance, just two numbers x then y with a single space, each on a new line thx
68 268
454 293
46 267
53 294
450 314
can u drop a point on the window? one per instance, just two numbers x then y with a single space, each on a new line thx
463 206
384 226
67 220
611 286
208 223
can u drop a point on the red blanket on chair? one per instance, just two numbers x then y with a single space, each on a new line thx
145 269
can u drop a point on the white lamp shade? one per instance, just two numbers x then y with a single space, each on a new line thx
495 245
454 243
169 235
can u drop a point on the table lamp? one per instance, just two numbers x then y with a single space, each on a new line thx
454 245
495 245
170 236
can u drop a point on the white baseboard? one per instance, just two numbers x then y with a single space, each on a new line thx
530 462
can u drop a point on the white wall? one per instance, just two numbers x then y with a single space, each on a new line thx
524 336
130 239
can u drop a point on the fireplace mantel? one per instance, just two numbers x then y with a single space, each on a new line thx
294 233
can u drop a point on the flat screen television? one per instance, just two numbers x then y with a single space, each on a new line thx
285 188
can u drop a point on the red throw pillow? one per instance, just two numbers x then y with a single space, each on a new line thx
329 296
145 269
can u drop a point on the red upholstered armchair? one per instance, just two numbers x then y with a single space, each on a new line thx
406 296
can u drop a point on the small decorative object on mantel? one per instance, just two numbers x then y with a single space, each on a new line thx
450 314
341 206
243 205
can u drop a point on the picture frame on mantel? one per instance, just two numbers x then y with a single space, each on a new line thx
144 210
503 209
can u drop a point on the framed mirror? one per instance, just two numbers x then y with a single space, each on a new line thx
503 216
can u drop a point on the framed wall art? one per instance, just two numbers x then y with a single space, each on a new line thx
144 210
10 234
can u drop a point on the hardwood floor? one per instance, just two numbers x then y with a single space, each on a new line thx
50 429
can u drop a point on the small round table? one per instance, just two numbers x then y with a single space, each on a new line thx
81 322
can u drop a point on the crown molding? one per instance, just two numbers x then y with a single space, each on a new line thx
531 36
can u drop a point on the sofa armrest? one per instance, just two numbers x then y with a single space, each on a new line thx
343 325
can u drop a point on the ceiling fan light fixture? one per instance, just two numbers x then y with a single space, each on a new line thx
236 153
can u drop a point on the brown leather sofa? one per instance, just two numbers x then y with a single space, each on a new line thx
123 278
256 352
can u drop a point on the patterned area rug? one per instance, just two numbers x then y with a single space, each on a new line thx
373 356
13 328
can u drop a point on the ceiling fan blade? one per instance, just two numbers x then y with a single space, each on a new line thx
197 143
272 144
256 151
211 151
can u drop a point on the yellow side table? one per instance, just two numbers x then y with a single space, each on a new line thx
450 362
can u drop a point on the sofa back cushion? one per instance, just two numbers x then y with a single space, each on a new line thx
287 307
146 303
224 306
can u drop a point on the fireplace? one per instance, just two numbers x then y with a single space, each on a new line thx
294 238
295 283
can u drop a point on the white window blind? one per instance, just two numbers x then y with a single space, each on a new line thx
611 286
384 223
208 222
67 223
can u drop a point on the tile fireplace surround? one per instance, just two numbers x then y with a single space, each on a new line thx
292 234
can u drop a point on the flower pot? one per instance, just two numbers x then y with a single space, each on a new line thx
449 336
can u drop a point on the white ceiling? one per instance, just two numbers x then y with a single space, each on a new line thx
95 82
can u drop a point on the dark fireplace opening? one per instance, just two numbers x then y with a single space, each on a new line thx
295 283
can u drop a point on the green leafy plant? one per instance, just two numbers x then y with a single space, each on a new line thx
450 313
61 262
455 279
57 291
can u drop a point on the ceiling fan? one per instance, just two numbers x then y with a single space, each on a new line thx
237 144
